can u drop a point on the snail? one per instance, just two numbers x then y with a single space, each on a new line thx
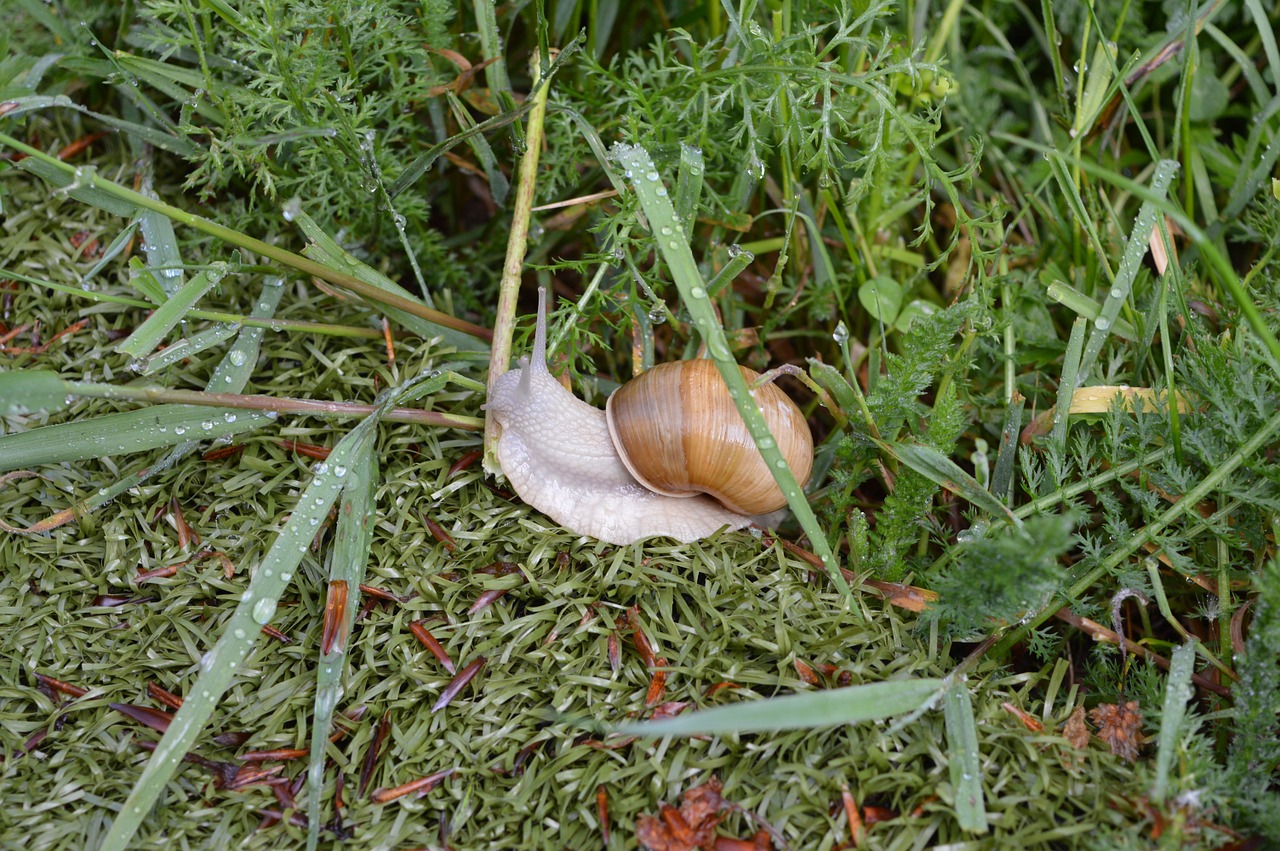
671 440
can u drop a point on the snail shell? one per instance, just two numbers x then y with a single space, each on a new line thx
558 454
679 433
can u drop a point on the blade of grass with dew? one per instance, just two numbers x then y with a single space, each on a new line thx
848 705
164 141
1002 478
188 346
256 609
673 244
499 185
162 320
70 184
31 391
963 761
1079 303
1067 383
325 249
1130 262
158 238
1177 692
111 252
352 540
739 259
942 471
689 182
121 434
1200 239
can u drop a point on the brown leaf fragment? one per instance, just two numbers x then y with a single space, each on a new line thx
418 787
602 811
1028 720
692 826
430 642
1120 726
807 674
1075 730
458 683
153 718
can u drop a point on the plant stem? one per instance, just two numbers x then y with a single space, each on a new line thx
517 245
267 403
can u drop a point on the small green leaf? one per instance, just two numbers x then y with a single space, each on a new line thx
913 311
963 760
31 391
882 298
941 470
870 702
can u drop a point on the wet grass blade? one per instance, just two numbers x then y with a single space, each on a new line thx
1130 262
849 705
353 537
673 244
1177 692
152 331
256 609
123 433
964 761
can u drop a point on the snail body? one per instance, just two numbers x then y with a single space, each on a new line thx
675 432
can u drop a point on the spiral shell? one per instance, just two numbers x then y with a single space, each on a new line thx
678 432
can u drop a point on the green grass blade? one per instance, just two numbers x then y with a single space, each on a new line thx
31 391
942 471
1080 304
849 705
123 433
1130 262
256 609
1002 478
673 244
71 184
689 182
188 346
963 760
163 319
324 249
1177 692
1067 384
352 540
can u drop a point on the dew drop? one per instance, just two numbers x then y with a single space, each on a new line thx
263 610
698 292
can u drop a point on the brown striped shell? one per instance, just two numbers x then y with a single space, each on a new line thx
678 432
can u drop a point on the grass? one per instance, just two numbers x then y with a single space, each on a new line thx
249 262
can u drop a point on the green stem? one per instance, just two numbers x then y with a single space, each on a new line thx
517 245
267 403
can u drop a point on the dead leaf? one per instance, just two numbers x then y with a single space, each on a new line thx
693 826
1120 726
1075 730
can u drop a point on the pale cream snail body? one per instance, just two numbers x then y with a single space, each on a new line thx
671 457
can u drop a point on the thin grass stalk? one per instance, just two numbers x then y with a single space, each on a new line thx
517 244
